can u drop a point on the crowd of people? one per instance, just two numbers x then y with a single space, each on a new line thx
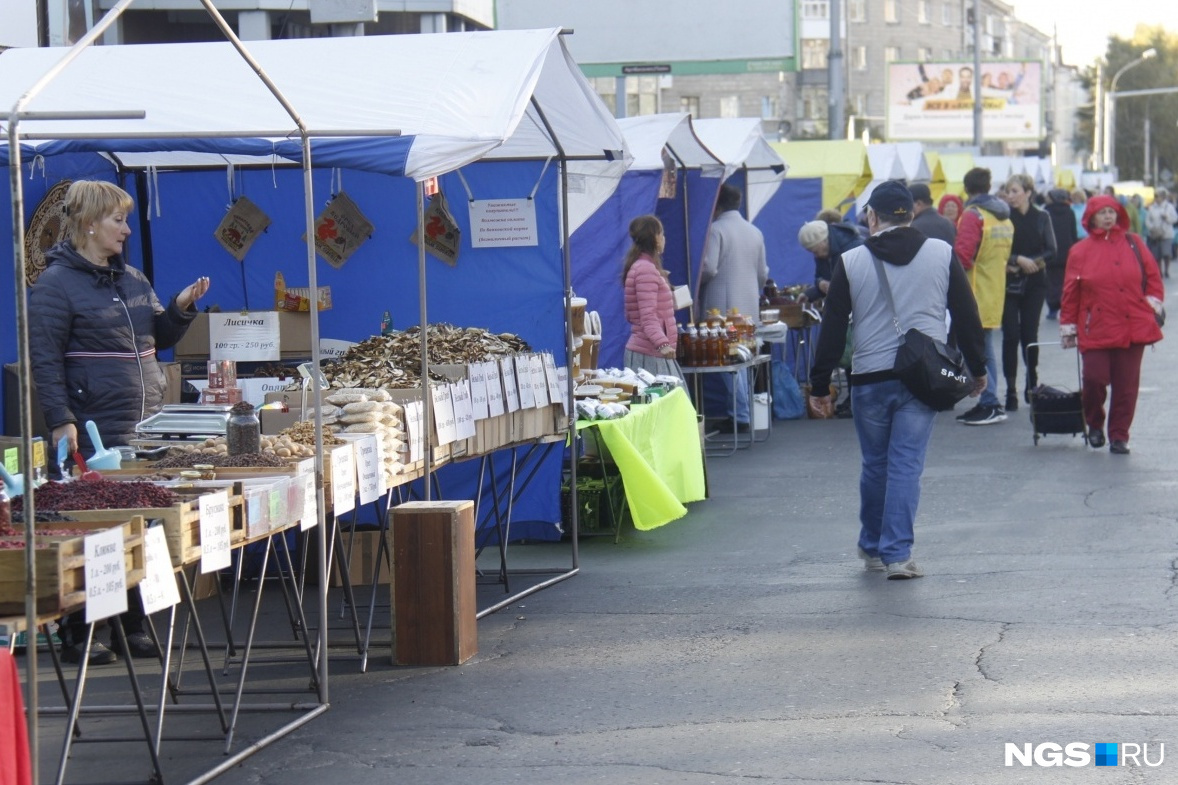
991 262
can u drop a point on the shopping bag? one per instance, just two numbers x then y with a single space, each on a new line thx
788 402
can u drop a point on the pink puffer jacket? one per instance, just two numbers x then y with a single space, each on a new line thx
650 308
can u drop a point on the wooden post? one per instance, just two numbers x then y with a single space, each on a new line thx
433 583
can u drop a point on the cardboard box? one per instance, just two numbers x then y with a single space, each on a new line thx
221 395
362 560
294 335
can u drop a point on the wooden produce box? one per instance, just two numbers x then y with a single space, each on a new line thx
181 523
61 573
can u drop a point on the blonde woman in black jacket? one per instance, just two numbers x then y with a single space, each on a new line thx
95 324
1026 285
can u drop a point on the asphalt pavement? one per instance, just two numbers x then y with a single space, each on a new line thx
745 642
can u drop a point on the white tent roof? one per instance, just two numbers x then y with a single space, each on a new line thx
884 160
647 136
454 97
911 157
739 143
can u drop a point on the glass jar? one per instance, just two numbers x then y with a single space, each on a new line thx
243 432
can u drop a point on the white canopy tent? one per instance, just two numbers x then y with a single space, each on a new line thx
739 144
648 135
912 159
884 160
416 106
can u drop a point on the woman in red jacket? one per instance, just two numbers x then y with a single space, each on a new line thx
650 303
1111 294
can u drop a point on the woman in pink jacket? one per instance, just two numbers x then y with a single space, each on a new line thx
650 305
1112 292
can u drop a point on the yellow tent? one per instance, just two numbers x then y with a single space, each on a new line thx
841 164
936 183
954 166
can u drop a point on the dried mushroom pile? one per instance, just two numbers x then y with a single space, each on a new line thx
393 362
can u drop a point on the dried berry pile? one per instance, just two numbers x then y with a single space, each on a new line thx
222 461
100 495
43 516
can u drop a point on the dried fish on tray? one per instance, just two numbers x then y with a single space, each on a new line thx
393 361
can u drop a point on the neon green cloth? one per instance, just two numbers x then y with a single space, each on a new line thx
657 451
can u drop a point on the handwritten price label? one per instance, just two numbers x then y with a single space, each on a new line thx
106 574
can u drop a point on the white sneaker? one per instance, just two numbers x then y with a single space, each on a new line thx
903 570
870 563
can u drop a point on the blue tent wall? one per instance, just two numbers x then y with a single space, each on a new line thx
598 248
519 290
795 202
701 203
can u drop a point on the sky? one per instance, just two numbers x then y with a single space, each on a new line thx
1084 26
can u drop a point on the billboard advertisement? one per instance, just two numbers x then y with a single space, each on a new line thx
934 101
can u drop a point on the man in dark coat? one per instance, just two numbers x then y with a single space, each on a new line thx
1063 222
925 218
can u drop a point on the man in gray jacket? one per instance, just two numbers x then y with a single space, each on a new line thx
732 275
893 426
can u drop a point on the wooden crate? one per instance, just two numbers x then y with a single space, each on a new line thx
61 574
181 523
433 583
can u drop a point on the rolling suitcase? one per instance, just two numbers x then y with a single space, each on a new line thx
1055 410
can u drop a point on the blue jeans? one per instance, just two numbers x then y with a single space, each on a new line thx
722 400
989 396
894 430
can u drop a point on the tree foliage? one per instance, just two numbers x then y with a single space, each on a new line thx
1132 111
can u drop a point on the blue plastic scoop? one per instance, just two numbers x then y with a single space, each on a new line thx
103 458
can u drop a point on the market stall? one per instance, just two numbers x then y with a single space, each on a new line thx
513 98
663 146
842 166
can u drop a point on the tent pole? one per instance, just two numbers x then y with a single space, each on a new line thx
26 435
566 253
427 404
687 245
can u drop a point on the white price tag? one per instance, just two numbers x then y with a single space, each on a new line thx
368 466
555 391
562 379
158 588
343 479
539 383
214 532
477 374
106 574
523 378
494 390
510 383
310 517
463 413
413 417
244 336
443 413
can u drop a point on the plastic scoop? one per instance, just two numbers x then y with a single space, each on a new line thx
87 473
103 458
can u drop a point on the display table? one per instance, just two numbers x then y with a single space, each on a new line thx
730 442
657 451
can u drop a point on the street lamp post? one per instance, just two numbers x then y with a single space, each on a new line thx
1110 108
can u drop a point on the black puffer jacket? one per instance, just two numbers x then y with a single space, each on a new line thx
93 335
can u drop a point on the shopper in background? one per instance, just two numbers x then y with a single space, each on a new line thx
97 324
928 221
827 241
1079 200
893 426
1160 218
984 237
732 274
1063 223
1026 286
951 207
1111 294
650 302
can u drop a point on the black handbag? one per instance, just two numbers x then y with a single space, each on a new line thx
1159 311
933 372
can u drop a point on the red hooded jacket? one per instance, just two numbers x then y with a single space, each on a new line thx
1102 289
